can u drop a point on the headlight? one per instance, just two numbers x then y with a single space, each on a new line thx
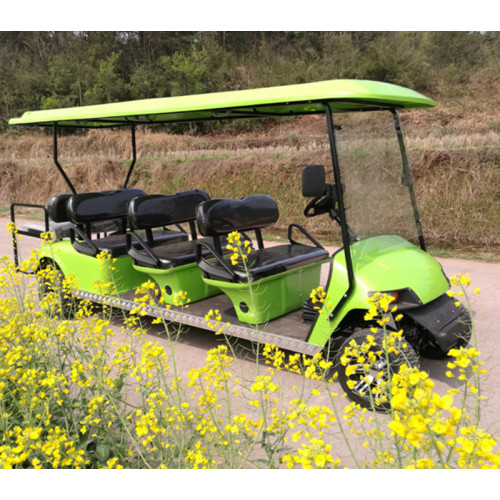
405 298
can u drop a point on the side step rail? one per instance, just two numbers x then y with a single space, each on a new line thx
178 315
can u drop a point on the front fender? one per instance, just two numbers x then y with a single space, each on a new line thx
448 324
381 264
389 263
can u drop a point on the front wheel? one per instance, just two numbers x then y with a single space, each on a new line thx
366 361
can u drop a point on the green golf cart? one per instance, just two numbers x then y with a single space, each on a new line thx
184 242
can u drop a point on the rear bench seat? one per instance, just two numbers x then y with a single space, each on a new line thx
281 276
61 225
58 222
101 211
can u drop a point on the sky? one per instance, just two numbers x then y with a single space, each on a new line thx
272 15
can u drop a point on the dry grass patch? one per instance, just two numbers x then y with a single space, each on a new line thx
455 158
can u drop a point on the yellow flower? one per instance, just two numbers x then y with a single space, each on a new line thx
239 250
425 463
397 427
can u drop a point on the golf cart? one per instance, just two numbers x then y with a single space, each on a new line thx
180 240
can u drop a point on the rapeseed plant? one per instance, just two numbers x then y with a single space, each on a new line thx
74 394
239 250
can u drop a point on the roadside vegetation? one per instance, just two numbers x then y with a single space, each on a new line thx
75 394
457 174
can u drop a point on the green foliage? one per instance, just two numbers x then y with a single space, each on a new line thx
187 71
108 86
54 69
399 58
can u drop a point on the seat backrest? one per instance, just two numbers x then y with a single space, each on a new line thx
56 207
222 216
157 210
85 208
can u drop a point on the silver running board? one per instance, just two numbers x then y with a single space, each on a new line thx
182 316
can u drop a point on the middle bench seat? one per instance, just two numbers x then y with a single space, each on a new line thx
171 264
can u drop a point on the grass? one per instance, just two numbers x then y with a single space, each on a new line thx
455 160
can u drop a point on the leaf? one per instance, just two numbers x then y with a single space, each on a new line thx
103 452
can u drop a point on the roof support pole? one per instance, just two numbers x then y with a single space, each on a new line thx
56 159
346 239
134 158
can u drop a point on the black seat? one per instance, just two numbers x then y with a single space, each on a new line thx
56 207
277 259
218 218
96 215
86 210
57 221
153 211
168 255
60 222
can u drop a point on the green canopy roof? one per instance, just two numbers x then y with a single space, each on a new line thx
300 99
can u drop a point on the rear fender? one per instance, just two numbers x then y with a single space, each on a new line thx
88 270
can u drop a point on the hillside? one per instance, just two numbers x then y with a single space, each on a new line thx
454 152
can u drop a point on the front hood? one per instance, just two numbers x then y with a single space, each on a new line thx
389 262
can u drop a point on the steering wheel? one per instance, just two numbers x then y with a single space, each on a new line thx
321 204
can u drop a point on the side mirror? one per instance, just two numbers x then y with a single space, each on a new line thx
313 181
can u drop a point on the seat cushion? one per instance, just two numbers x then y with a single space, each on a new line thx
176 253
170 254
269 262
167 255
116 244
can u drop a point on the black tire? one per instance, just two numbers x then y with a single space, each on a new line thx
50 284
365 383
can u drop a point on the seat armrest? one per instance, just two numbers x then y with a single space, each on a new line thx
76 231
223 271
129 236
304 232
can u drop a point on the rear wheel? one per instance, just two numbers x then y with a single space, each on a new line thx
365 363
55 295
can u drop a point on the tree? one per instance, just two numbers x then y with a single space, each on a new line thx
52 69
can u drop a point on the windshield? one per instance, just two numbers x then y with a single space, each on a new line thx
376 191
